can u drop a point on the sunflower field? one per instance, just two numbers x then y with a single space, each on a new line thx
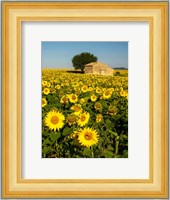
83 115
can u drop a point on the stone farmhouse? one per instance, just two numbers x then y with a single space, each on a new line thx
98 68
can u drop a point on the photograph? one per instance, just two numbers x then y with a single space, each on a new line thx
84 99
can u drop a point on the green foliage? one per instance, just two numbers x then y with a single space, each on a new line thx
55 136
80 60
109 154
123 73
67 131
117 73
87 152
112 130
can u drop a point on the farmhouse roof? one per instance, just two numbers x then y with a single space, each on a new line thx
95 63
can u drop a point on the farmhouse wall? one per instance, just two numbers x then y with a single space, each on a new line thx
98 68
88 70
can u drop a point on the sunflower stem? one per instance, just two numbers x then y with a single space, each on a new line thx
116 145
92 153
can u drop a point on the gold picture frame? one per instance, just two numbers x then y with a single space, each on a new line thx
156 14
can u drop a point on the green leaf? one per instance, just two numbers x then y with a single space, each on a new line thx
57 104
108 154
87 152
47 141
67 131
113 133
116 146
125 153
55 136
46 150
49 97
125 136
109 124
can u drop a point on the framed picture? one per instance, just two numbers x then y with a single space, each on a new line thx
85 107
85 99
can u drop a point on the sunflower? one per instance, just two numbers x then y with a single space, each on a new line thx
57 87
112 89
98 106
48 84
54 120
74 84
98 90
71 119
46 91
64 99
99 118
90 89
107 94
84 88
73 98
88 137
123 93
74 136
52 90
44 83
112 110
77 92
82 100
44 102
68 90
77 108
83 118
93 97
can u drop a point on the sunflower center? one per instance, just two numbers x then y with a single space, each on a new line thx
107 93
87 136
84 88
83 118
98 105
43 102
74 97
54 120
99 117
77 109
64 99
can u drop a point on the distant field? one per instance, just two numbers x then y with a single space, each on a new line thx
120 70
121 73
117 72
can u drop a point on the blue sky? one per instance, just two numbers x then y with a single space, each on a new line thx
60 54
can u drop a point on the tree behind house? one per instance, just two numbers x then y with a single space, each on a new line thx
82 59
